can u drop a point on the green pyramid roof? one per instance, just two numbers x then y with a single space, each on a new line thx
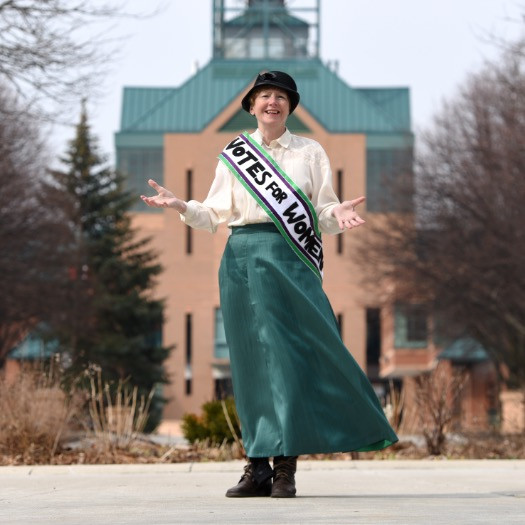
338 107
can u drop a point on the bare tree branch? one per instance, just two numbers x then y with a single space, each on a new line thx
32 228
52 50
463 251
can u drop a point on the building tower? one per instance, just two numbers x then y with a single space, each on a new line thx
265 29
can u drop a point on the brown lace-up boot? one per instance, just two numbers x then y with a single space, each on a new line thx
256 480
284 468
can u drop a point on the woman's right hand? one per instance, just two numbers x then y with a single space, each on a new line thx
163 199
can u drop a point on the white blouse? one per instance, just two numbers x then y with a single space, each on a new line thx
302 159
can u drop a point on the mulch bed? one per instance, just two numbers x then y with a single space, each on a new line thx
490 446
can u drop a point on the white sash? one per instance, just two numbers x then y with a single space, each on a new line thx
288 207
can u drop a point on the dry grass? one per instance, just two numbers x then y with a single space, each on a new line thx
395 403
117 418
35 416
224 452
38 420
41 424
143 451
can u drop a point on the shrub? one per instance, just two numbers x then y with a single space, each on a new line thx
212 425
437 394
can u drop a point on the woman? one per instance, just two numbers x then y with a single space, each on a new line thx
297 388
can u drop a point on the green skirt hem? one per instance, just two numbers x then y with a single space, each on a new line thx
379 445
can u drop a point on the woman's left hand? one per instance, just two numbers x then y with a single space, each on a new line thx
346 215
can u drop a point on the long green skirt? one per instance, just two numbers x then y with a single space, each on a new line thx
297 388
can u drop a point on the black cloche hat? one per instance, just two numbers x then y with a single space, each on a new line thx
277 79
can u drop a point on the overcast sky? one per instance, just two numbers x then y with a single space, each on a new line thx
426 45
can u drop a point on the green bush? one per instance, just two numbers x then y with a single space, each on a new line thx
192 428
212 424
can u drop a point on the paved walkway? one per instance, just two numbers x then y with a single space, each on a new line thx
333 492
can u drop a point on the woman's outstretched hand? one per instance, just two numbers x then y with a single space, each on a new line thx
163 199
346 215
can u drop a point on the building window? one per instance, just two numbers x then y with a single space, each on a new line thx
188 331
188 340
389 180
235 48
276 47
410 325
339 190
138 165
221 350
340 324
223 388
373 342
189 197
256 47
373 336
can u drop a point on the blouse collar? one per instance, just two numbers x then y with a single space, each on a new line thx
284 140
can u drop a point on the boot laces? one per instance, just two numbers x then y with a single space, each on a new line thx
285 469
248 472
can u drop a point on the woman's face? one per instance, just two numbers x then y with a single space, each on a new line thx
271 106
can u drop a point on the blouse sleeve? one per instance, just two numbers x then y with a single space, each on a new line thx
324 198
216 208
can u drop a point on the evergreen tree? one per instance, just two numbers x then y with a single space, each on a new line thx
113 322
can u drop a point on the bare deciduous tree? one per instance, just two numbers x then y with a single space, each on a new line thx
32 229
463 251
437 394
52 49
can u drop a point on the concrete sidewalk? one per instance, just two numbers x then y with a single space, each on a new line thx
368 492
